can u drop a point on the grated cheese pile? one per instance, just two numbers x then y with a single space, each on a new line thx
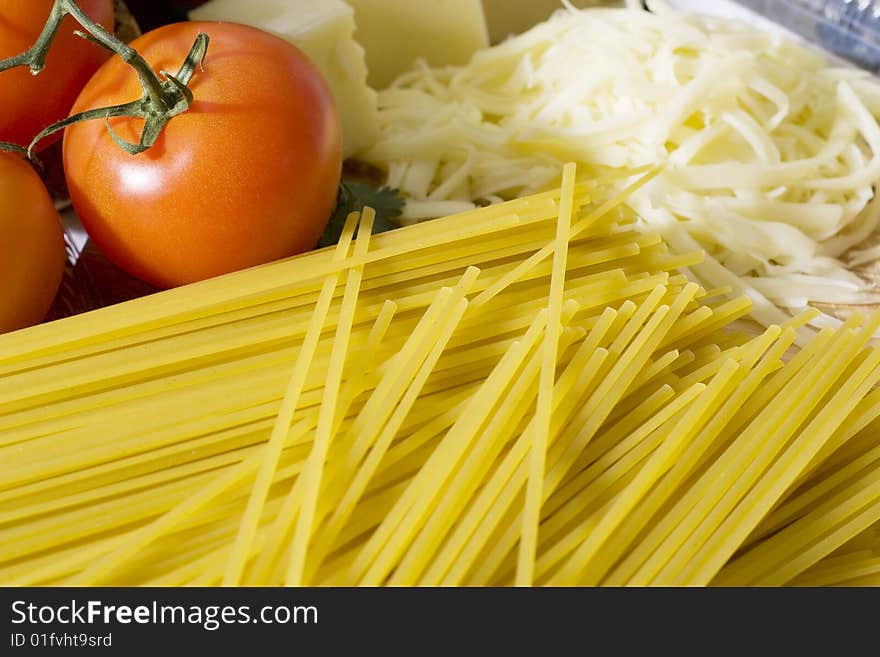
770 153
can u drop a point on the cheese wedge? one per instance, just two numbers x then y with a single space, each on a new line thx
323 30
397 32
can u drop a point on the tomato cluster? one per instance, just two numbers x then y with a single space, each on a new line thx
32 252
247 175
30 103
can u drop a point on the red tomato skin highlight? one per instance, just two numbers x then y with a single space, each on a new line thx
248 175
31 103
32 251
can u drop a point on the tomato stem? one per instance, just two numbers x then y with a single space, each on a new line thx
162 99
8 147
36 163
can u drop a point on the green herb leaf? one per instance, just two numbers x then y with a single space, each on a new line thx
354 196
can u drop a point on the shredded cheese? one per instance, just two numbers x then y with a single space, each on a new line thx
770 154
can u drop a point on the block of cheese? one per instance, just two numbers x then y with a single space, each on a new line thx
397 32
323 30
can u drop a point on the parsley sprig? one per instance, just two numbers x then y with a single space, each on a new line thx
354 196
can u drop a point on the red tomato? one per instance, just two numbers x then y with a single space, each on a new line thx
248 175
32 103
32 252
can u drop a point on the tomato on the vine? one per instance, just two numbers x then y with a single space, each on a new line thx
249 174
32 252
31 103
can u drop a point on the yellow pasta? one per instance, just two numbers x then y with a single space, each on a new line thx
529 393
541 427
504 425
380 446
266 473
326 418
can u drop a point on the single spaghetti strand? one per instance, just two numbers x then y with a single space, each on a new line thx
314 470
532 510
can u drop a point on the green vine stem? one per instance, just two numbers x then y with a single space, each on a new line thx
33 160
6 147
164 96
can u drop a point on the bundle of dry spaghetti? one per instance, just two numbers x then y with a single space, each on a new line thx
528 393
